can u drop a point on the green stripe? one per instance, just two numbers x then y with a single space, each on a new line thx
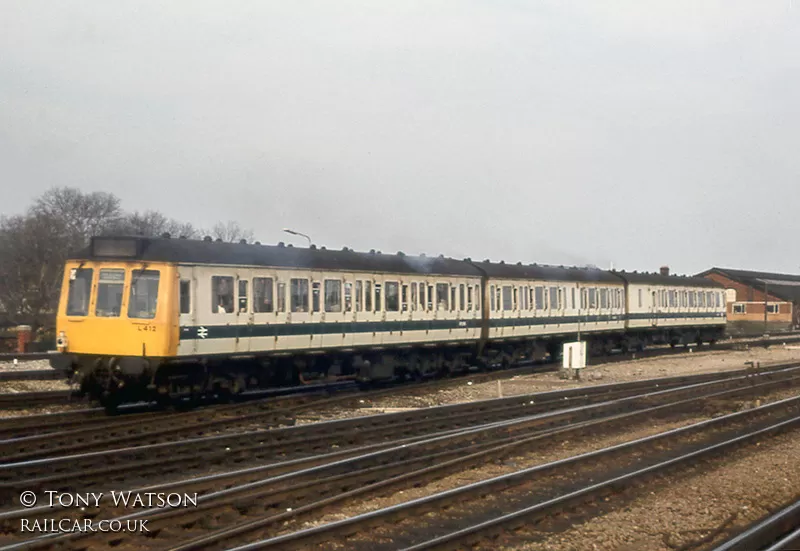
334 328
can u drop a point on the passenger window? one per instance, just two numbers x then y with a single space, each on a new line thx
515 303
404 298
333 295
572 301
186 296
477 298
461 297
348 296
143 300
315 304
592 298
243 296
392 296
554 298
262 294
359 295
281 297
507 296
422 296
414 295
560 298
110 286
640 298
491 297
378 297
221 294
298 290
452 298
603 298
80 289
442 295
469 298
368 296
539 296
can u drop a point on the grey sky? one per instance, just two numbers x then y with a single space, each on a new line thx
638 133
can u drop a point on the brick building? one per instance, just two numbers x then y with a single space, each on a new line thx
758 302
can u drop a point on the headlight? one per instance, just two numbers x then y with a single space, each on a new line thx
61 341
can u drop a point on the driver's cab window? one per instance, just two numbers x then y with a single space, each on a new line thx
143 300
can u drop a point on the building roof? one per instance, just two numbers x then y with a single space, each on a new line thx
784 286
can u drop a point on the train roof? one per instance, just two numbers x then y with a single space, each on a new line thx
544 272
190 251
659 279
206 252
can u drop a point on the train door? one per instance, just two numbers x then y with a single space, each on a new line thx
187 292
244 311
653 307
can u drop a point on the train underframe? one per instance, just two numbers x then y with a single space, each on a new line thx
113 381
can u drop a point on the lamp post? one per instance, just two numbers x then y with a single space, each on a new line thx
287 230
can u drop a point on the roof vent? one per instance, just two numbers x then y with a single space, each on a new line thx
165 235
379 252
257 243
486 260
664 270
372 251
290 245
502 262
243 242
400 253
441 256
219 240
322 249
344 248
312 246
183 237
422 255
281 244
519 263
207 239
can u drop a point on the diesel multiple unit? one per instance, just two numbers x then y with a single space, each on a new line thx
159 318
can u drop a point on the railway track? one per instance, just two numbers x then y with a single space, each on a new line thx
33 375
93 465
20 400
777 532
509 508
281 498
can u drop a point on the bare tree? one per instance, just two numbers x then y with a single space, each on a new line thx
81 214
152 223
32 253
231 232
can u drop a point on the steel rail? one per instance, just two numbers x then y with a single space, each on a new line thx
777 529
460 497
401 465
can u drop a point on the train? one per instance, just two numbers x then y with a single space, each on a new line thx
163 319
